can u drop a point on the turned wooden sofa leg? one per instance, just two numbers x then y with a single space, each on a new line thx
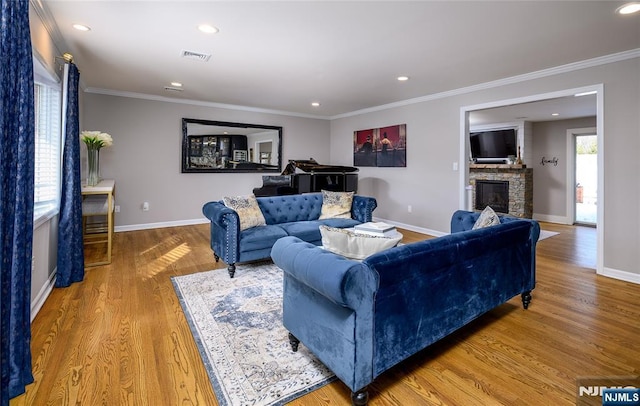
360 398
231 269
526 299
294 342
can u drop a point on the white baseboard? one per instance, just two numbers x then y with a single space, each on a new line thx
551 219
149 226
41 297
620 275
412 228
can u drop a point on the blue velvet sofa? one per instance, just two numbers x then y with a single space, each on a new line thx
291 215
362 318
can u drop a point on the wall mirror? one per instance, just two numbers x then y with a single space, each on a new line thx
220 146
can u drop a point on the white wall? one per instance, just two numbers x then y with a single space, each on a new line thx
432 187
145 157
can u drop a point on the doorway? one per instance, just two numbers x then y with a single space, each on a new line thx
465 111
264 152
586 177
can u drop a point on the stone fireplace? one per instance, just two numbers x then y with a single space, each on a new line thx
506 188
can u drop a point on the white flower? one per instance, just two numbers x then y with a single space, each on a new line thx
96 139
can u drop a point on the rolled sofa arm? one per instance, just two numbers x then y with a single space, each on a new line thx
343 281
225 231
215 211
362 208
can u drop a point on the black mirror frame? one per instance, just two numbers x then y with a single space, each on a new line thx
258 169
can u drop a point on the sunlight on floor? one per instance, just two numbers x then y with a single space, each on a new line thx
160 264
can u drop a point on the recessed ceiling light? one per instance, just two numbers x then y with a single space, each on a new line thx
315 104
629 8
81 27
555 114
403 78
208 29
176 84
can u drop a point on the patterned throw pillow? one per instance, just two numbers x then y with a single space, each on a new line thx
487 218
352 245
336 204
247 209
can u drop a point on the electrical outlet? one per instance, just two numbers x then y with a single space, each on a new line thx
409 209
145 206
116 209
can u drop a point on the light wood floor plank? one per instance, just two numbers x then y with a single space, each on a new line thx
120 336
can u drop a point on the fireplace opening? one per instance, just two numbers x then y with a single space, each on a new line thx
492 193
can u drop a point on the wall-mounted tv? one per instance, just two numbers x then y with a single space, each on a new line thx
493 145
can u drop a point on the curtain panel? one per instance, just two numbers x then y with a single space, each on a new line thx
70 244
17 154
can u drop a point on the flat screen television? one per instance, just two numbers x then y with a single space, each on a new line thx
493 145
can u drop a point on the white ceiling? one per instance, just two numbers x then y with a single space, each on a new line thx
561 108
283 55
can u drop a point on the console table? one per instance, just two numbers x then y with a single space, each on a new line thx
98 201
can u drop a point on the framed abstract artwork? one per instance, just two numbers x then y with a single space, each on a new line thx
381 147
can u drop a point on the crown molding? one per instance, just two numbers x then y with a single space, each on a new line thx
49 23
144 96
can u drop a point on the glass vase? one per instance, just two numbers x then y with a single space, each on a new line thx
93 159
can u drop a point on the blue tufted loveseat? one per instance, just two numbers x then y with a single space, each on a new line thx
362 318
292 215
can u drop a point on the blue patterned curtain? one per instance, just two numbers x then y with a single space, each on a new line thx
17 154
70 247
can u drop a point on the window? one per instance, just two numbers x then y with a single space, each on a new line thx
47 149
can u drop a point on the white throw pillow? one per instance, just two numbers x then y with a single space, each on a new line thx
336 204
354 246
487 218
247 209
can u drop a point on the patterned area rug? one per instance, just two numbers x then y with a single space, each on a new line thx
237 325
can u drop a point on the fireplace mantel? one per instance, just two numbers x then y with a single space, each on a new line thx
520 180
497 166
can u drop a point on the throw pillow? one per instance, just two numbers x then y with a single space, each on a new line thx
487 218
247 209
336 204
352 245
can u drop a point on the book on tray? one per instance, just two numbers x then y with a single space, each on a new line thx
375 228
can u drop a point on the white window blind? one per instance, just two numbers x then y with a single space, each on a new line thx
47 149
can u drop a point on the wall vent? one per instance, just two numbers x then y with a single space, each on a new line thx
195 55
172 89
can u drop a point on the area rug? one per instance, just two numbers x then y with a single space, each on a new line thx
546 234
237 325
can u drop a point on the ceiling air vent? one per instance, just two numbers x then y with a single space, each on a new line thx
172 89
195 55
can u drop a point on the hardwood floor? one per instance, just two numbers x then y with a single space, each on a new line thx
120 337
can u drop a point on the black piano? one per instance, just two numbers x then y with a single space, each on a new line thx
314 178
